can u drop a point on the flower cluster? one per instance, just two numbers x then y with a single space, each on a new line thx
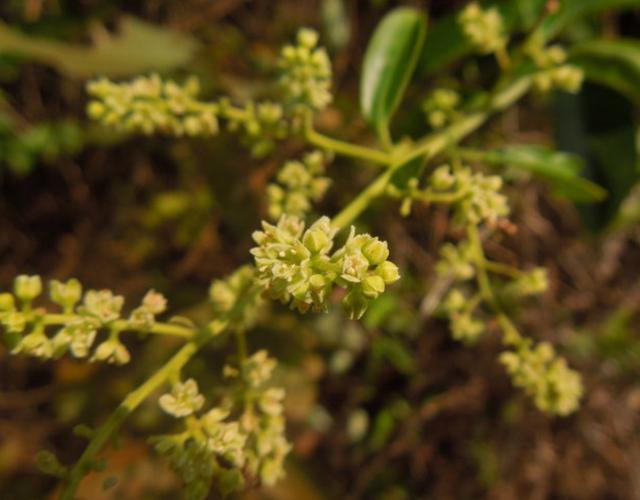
264 423
474 197
464 326
226 295
306 72
532 282
259 124
483 27
554 387
554 72
244 434
456 261
299 184
296 266
78 326
478 198
149 104
440 107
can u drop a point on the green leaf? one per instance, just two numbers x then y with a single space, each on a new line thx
598 125
138 47
561 170
572 10
389 62
614 63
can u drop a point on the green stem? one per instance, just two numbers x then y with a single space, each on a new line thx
511 335
135 398
344 148
504 269
431 197
433 145
131 402
477 253
124 325
241 344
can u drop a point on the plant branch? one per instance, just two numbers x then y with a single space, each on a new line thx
343 148
124 325
136 397
84 465
433 144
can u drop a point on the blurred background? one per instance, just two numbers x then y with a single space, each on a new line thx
387 408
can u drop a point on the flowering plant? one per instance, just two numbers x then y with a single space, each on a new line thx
306 261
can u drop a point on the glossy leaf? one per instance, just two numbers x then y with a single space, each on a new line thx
614 63
389 62
561 170
136 48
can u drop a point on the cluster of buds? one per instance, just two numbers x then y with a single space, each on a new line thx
483 28
259 124
306 72
474 197
533 282
554 387
440 107
78 326
477 197
217 447
456 261
149 104
299 184
295 266
464 326
226 295
554 72
264 425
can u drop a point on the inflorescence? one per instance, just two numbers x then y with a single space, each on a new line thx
242 436
78 323
298 268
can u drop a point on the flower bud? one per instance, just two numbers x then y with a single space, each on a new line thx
65 294
317 281
155 302
441 179
7 303
27 288
316 241
14 322
372 286
388 271
455 301
375 251
355 304
307 38
113 352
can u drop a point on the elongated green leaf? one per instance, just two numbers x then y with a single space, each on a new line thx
614 63
138 47
598 125
561 170
389 62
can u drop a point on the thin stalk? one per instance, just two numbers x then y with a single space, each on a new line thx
128 405
124 325
504 269
344 148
